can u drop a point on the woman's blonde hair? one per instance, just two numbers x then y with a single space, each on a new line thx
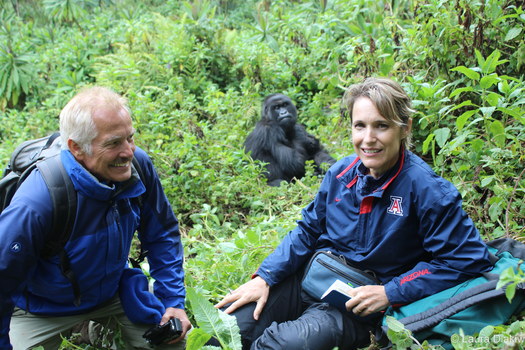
388 96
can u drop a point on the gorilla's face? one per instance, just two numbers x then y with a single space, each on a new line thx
281 109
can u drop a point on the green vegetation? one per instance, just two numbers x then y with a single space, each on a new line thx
195 73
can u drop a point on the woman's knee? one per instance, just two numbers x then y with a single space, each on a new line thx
301 334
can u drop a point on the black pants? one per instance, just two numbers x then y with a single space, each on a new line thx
292 320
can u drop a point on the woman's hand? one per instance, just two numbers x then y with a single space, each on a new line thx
256 290
367 300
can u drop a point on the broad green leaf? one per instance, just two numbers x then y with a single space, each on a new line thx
510 291
446 109
515 111
493 99
488 80
442 135
487 111
492 62
14 96
495 210
355 29
24 83
462 104
272 43
498 133
487 181
503 87
513 33
394 324
197 338
515 93
227 247
463 118
253 237
470 73
460 91
456 143
232 331
477 145
15 77
215 322
479 58
521 119
486 332
386 65
401 339
206 315
427 142
506 276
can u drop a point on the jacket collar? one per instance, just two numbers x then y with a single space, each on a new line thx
350 174
87 184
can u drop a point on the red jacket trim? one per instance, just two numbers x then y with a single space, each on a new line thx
348 168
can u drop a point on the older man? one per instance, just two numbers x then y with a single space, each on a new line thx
36 300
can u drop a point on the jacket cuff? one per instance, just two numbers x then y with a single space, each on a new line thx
266 276
177 303
393 293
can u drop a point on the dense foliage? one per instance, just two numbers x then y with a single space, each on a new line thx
195 73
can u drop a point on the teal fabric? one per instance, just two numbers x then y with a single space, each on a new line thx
494 312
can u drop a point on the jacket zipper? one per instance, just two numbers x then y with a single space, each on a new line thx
119 227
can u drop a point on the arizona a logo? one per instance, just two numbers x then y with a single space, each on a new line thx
395 206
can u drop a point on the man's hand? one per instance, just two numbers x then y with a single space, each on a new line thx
367 300
256 290
172 312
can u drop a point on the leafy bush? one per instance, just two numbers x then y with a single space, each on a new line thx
195 73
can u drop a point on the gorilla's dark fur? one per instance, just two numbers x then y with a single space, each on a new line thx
283 143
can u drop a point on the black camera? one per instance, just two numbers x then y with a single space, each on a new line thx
165 333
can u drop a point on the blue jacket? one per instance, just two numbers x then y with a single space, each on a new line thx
106 220
408 227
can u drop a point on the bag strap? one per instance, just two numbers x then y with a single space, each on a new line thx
64 198
135 262
431 317
48 144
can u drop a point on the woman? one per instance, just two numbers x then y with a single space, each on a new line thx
381 208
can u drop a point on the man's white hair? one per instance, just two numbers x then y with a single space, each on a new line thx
76 118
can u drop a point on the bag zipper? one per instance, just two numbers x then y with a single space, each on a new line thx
342 273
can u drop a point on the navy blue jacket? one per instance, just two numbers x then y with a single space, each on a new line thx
408 227
107 217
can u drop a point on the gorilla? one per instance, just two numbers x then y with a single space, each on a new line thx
283 143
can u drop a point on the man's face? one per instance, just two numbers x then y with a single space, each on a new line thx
113 148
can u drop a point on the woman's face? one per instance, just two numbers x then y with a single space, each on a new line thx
376 140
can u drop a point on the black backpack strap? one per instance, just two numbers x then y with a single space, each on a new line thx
65 267
64 198
138 168
48 144
135 262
